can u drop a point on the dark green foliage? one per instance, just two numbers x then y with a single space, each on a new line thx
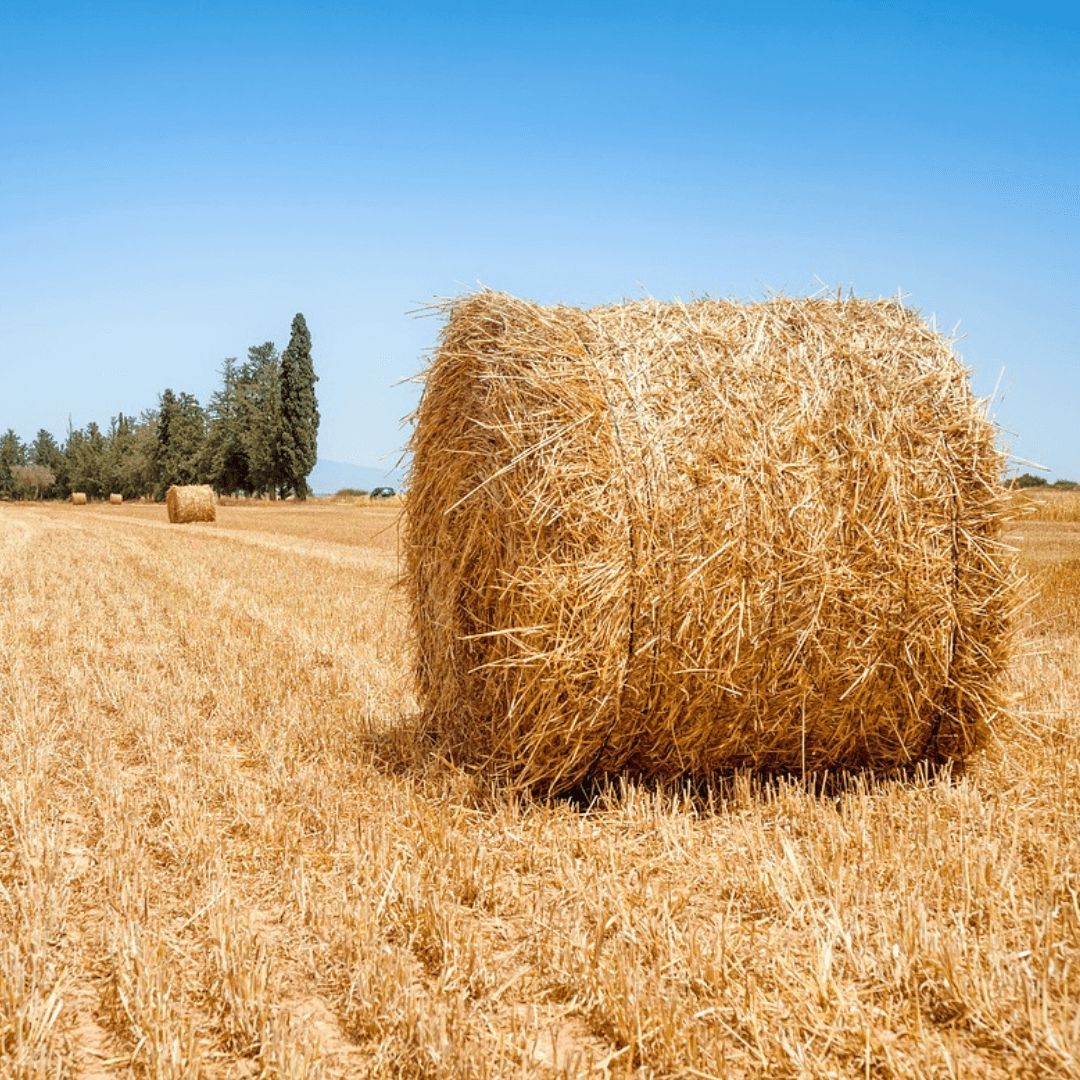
226 464
45 451
299 412
264 420
258 418
136 460
350 493
258 436
85 453
129 457
1026 480
124 460
181 433
12 452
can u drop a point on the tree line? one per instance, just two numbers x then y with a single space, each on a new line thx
256 436
1026 480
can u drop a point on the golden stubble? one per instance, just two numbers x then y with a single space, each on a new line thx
226 850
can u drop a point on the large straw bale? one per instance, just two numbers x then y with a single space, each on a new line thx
190 502
78 498
115 500
669 538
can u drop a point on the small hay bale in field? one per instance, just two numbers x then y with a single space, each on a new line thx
78 498
116 500
668 538
190 502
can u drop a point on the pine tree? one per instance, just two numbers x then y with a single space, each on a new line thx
119 446
226 462
46 452
181 431
299 412
84 452
12 452
257 419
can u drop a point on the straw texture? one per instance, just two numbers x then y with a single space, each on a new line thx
116 500
190 502
78 498
670 538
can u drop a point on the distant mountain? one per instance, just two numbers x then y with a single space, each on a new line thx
329 477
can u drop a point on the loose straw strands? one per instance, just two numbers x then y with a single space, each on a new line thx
667 538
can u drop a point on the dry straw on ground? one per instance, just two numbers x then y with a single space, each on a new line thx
190 502
668 538
223 855
78 498
116 500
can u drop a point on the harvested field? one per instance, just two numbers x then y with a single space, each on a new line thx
1048 505
224 851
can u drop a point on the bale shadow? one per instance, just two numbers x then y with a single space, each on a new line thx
413 747
719 792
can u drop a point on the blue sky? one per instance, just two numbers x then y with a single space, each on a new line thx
177 181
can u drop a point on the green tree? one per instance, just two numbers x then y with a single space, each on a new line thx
118 447
129 459
258 417
299 412
45 451
1026 480
225 457
136 461
181 433
84 452
73 452
12 452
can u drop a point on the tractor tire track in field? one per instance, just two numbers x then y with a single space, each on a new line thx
379 563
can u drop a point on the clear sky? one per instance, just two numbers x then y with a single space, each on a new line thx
178 180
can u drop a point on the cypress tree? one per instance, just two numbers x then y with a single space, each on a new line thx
299 411
163 452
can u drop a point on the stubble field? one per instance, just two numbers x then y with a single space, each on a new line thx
224 852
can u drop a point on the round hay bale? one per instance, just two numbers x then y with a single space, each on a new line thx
78 498
667 538
116 500
190 502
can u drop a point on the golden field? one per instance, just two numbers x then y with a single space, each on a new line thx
225 851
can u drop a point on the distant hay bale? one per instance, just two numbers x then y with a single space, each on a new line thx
667 538
115 500
190 502
78 498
